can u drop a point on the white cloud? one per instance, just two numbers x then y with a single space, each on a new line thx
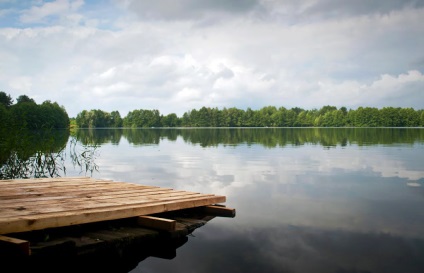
21 84
58 7
188 95
243 60
187 9
404 90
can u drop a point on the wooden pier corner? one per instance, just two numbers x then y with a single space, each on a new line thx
63 207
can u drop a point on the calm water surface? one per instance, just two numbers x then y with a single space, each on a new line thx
307 200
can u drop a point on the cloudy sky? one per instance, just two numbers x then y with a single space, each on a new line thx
175 56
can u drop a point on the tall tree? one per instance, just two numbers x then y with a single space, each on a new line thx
116 120
170 120
24 98
5 99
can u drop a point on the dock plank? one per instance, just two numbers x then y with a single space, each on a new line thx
92 195
83 204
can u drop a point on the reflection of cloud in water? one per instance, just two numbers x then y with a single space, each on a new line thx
386 163
294 249
351 188
309 186
249 166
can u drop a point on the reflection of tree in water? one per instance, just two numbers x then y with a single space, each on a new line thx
98 136
83 155
38 154
281 137
268 137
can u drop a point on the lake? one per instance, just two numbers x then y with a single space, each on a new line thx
307 199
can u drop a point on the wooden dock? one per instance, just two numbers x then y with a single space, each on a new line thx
30 207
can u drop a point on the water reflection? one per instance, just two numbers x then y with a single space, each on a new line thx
307 200
98 136
268 137
301 208
43 153
288 248
116 260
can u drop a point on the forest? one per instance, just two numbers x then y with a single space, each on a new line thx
269 116
27 114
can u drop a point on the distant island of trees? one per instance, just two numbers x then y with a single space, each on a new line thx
27 114
269 116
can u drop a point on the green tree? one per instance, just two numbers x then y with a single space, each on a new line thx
23 99
170 120
115 119
215 117
233 117
279 118
325 109
186 119
409 117
203 117
53 115
5 99
248 118
422 118
82 119
390 117
25 115
304 119
367 117
5 119
143 118
291 118
265 115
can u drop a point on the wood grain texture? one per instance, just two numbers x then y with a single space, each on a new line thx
34 204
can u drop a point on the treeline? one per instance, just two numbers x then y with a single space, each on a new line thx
269 116
27 114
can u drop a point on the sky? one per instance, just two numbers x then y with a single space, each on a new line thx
175 56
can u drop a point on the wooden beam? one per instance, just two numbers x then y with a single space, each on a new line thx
14 247
157 223
219 211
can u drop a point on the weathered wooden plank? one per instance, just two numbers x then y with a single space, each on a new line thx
156 223
46 183
93 195
12 210
74 192
52 220
219 211
87 199
45 179
84 194
57 188
8 192
14 246
50 180
57 181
